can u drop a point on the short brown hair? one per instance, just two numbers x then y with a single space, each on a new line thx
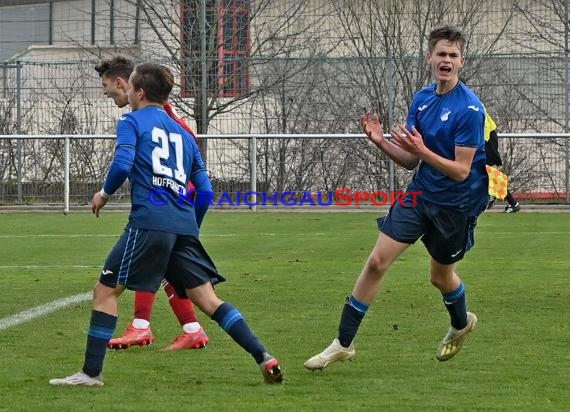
448 33
156 81
118 66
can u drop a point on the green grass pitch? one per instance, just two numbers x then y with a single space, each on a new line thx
289 273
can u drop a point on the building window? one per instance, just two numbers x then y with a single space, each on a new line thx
227 47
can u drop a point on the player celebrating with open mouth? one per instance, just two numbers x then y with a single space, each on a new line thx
444 135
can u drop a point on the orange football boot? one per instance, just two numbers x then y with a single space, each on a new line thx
195 340
132 337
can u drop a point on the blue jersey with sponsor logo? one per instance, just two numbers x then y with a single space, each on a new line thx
166 157
445 121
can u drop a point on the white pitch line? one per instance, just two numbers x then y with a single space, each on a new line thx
49 266
90 235
42 310
38 235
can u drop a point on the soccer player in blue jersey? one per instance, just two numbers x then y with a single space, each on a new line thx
444 135
114 75
160 158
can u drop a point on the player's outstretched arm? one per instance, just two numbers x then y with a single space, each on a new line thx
373 129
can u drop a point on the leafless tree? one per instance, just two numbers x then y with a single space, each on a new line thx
8 126
307 66
376 63
538 101
177 31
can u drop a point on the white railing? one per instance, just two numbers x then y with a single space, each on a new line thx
543 157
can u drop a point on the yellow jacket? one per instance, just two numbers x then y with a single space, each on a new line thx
490 126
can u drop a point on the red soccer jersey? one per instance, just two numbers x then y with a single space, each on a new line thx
172 113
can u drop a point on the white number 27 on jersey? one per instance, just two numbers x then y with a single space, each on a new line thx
163 152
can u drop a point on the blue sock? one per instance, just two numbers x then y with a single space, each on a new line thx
101 330
352 315
455 303
233 323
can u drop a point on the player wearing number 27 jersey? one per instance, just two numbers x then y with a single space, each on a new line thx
159 200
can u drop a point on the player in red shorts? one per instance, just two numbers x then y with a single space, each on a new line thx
114 74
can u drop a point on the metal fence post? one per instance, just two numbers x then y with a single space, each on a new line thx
391 101
203 127
253 171
19 142
566 99
66 176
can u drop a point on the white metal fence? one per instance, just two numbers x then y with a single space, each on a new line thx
251 170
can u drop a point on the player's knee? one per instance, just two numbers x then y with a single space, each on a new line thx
441 281
436 281
377 265
205 298
101 292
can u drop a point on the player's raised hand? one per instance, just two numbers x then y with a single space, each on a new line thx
372 127
410 141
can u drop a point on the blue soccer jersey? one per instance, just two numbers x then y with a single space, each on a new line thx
446 121
163 158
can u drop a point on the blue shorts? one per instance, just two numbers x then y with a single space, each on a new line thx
141 258
446 234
